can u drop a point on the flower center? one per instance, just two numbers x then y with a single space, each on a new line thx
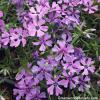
37 27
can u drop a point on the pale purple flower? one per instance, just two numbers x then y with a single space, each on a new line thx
43 70
27 91
79 53
2 26
24 87
37 28
39 11
68 20
62 49
44 3
55 7
18 36
35 55
51 60
43 42
98 0
54 86
74 2
84 83
39 95
67 37
5 38
70 80
74 13
88 66
19 4
1 14
90 7
72 64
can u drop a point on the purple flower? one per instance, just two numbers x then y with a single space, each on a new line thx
88 66
1 14
67 37
35 55
72 64
70 80
90 8
43 42
84 83
17 36
51 61
27 92
68 20
37 27
5 38
18 3
55 7
43 70
26 85
62 49
40 12
39 95
54 86
79 53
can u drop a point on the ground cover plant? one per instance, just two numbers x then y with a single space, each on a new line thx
49 49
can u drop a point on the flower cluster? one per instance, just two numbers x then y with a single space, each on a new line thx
65 66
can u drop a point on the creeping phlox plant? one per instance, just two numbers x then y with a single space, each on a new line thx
57 65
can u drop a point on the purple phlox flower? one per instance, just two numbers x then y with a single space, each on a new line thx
30 2
52 17
44 4
39 95
39 11
1 14
63 1
43 70
88 66
29 65
5 38
55 7
98 0
83 2
37 27
70 80
72 64
79 53
74 13
84 83
69 20
27 92
18 3
62 49
63 10
17 36
35 55
90 7
23 88
43 42
67 37
51 61
74 2
54 86
2 26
